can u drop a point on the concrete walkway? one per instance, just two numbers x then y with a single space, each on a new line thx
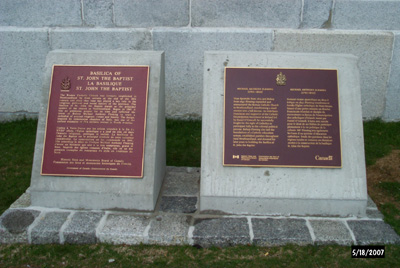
176 221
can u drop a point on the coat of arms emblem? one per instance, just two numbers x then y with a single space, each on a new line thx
281 79
66 84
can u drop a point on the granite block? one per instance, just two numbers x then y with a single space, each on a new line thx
181 184
250 13
367 15
373 232
17 221
221 232
330 232
374 50
268 232
82 228
392 109
23 53
169 230
151 13
101 38
47 230
374 214
317 14
41 13
184 49
178 204
14 224
98 13
23 201
124 229
371 204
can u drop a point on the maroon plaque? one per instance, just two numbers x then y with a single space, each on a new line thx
281 117
96 121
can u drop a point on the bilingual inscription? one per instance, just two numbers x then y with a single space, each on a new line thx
96 121
281 117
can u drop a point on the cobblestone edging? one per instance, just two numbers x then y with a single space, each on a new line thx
176 221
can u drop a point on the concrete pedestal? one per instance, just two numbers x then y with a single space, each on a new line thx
278 190
106 193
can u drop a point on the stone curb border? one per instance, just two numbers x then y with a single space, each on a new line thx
176 221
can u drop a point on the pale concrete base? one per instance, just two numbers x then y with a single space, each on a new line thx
283 206
106 193
297 191
100 200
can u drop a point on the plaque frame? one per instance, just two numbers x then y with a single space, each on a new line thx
144 126
278 165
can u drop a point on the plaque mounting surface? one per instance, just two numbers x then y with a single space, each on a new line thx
96 121
281 117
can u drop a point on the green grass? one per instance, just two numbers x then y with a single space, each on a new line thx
389 210
101 255
380 139
391 216
391 188
183 143
17 142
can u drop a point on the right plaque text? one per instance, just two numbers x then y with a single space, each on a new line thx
281 117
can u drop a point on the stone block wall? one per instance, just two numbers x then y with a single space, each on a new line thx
184 29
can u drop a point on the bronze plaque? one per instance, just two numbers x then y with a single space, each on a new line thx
281 117
96 121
